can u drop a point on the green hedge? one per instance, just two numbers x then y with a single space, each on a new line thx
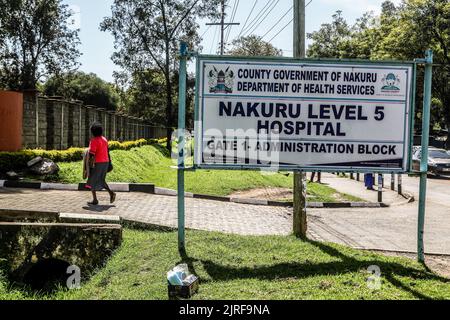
18 160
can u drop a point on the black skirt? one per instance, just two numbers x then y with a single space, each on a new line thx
97 177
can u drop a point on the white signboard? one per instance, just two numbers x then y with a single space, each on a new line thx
303 115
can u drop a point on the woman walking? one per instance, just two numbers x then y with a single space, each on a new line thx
99 163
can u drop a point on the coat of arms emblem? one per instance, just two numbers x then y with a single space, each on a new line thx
221 81
391 81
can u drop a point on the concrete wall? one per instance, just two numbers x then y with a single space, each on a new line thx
53 123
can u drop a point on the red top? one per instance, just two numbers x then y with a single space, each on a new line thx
99 147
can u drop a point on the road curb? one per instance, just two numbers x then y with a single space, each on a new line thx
262 202
117 187
20 184
409 198
151 189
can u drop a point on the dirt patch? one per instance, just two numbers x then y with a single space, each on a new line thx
264 193
339 197
438 264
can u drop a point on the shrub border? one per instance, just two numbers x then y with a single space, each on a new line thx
18 160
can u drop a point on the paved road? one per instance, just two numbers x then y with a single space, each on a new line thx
393 228
438 190
356 188
161 210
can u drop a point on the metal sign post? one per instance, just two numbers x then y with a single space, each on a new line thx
424 158
181 145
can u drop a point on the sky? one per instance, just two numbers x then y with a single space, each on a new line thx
97 46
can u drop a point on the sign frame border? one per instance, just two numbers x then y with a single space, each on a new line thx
410 118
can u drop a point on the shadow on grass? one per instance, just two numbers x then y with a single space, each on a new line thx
162 149
347 264
189 261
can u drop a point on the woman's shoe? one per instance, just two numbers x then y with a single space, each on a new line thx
93 203
112 198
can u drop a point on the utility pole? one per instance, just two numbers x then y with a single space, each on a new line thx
223 26
299 224
299 29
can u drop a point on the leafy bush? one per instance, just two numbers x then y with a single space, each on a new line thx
18 160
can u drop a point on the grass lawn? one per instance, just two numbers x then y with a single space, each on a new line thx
238 267
151 164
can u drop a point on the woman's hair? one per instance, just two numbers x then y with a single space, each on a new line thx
97 129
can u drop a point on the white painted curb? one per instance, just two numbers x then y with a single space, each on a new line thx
120 187
259 202
165 192
365 205
59 186
314 205
170 192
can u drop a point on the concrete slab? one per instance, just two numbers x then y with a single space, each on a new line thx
88 218
17 215
27 245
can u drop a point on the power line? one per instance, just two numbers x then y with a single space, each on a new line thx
214 39
222 25
265 17
258 16
248 17
233 16
277 23
207 29
282 29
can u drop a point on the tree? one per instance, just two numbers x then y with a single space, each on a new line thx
88 88
147 35
142 95
421 25
401 32
331 39
362 40
253 46
35 41
364 34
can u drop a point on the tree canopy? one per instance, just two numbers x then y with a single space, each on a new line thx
401 32
36 40
253 46
88 88
142 96
147 34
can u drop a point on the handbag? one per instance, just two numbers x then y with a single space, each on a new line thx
110 165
